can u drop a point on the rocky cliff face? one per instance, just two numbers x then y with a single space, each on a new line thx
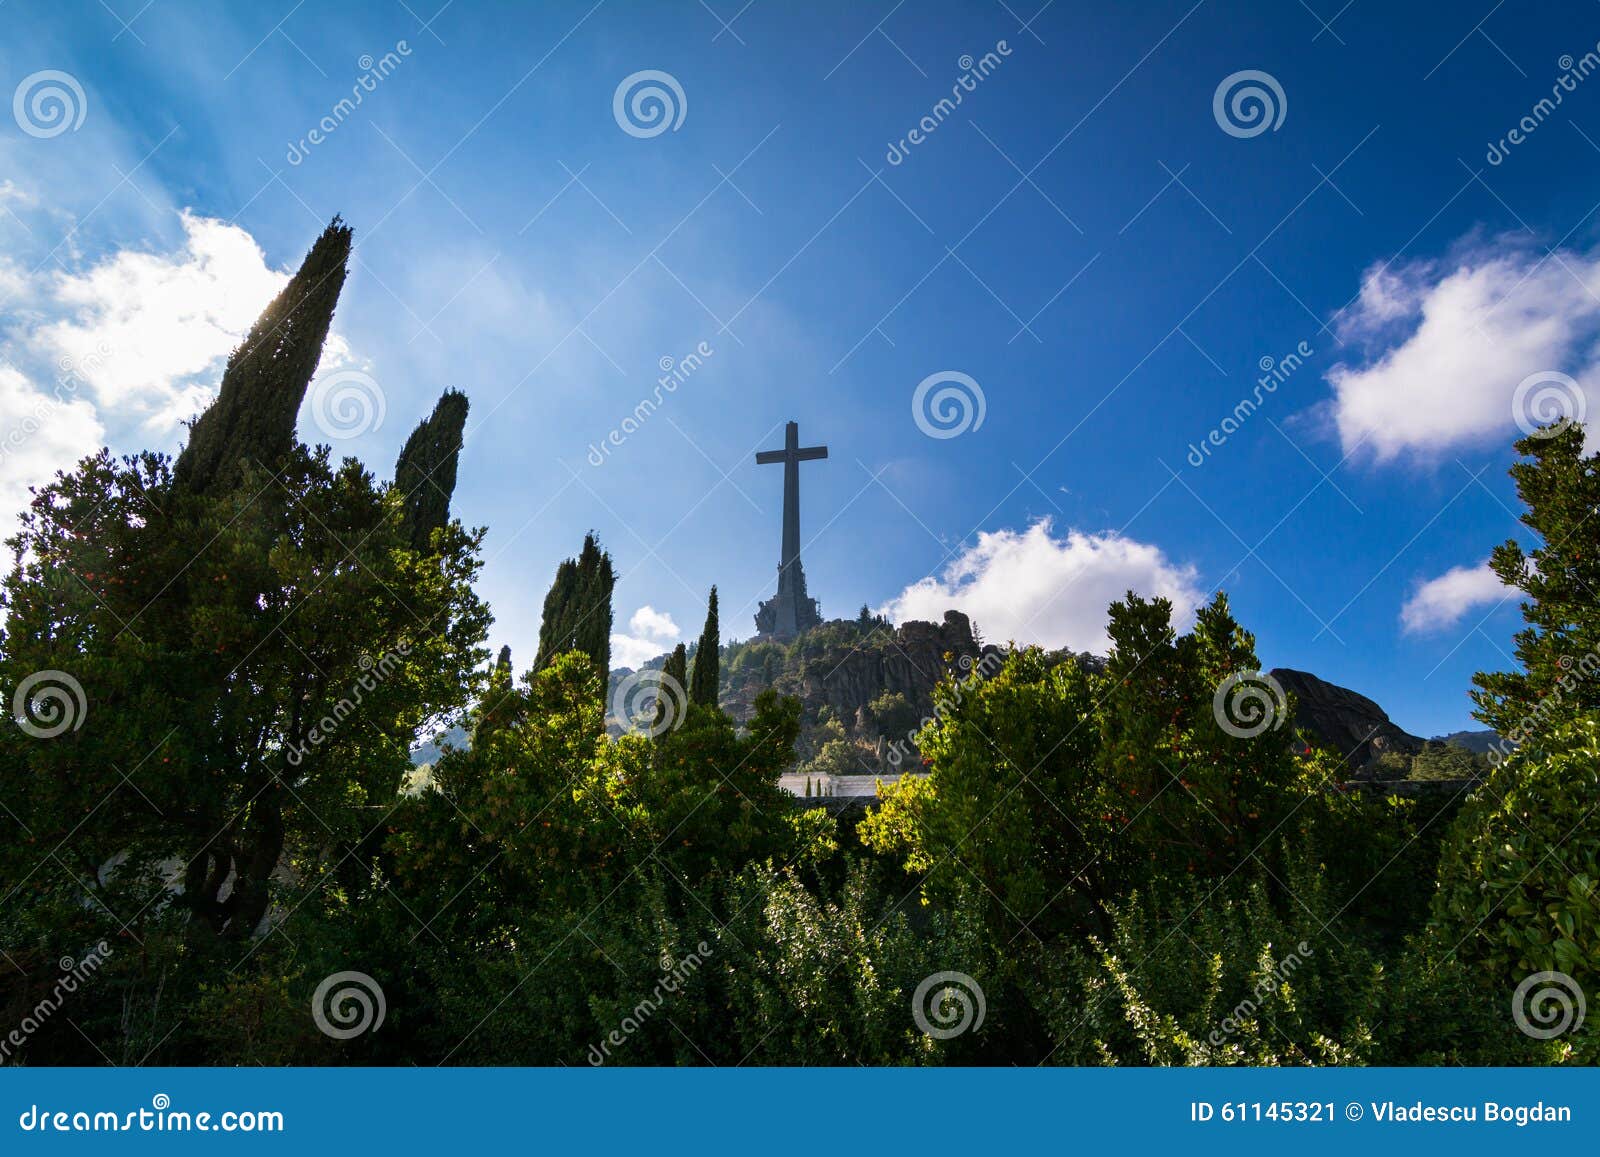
837 670
1349 723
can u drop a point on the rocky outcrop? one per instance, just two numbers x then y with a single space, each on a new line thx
872 681
910 660
1478 741
1348 723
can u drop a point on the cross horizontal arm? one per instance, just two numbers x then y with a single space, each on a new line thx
767 457
811 453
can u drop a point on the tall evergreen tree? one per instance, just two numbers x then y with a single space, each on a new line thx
425 473
577 609
498 707
253 418
677 666
1560 582
703 681
674 672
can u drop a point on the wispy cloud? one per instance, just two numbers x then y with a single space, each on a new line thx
1442 602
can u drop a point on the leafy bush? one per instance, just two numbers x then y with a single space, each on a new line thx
1519 880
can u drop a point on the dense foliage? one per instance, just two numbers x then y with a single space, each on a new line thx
1099 867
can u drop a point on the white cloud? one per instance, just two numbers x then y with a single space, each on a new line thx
121 350
153 330
39 434
1442 602
1447 344
1032 587
13 194
652 632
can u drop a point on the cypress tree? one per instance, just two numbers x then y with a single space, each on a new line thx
703 682
577 609
596 581
425 473
253 417
676 667
674 672
499 705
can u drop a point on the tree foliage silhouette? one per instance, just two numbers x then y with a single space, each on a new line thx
253 418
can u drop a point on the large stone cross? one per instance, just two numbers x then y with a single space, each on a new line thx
791 611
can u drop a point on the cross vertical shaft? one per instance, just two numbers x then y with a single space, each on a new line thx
791 611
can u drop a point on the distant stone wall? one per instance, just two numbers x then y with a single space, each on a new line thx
838 786
1412 788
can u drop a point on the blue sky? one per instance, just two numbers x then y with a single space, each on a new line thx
1081 238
